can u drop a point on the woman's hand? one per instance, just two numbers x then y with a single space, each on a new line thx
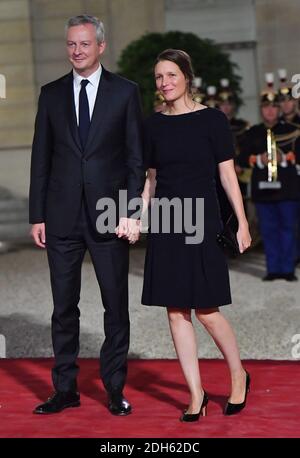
232 188
129 228
243 237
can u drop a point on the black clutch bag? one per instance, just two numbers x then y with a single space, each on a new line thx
227 238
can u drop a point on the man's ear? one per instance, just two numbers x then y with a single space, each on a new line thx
102 47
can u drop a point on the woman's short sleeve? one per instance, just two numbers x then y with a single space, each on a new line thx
149 160
222 138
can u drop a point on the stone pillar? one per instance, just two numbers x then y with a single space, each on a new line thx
16 64
278 45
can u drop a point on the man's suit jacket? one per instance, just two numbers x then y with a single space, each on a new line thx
61 172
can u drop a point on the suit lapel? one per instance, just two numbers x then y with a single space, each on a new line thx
68 96
100 110
72 115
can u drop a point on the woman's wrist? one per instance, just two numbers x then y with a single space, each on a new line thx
243 223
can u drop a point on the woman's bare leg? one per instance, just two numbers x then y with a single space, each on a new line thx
185 343
223 335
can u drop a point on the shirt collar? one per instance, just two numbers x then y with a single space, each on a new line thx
94 78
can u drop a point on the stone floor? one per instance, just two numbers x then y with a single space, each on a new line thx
265 316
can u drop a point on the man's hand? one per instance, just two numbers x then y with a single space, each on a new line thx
38 234
264 157
129 228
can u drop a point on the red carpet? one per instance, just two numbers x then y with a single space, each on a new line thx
158 394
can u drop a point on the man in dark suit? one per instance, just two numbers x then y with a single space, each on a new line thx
87 145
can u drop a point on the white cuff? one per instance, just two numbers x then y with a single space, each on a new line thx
259 163
283 162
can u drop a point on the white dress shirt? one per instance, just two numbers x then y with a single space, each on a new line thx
91 89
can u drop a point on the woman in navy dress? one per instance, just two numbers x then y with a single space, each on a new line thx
185 147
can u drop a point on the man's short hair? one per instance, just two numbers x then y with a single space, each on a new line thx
87 19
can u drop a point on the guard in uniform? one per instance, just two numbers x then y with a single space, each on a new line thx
290 114
198 92
288 105
270 149
227 102
211 100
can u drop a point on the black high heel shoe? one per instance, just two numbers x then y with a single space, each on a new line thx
188 417
232 409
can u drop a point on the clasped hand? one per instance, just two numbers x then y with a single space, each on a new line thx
264 157
129 228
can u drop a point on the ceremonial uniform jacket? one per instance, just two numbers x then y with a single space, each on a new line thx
255 144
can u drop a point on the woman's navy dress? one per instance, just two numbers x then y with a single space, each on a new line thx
185 150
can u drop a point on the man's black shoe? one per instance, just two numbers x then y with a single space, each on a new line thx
117 404
290 277
58 402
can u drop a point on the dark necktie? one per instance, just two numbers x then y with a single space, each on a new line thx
84 113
